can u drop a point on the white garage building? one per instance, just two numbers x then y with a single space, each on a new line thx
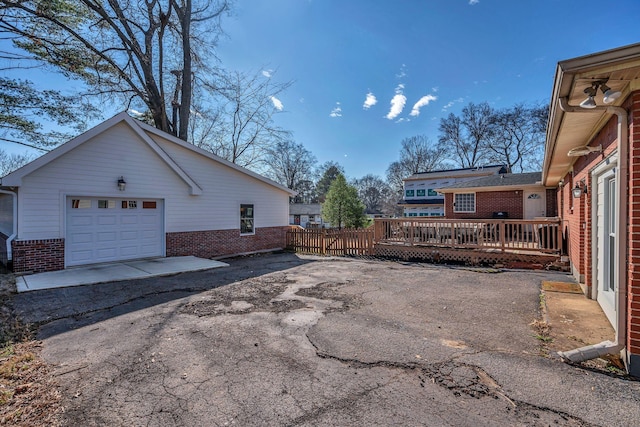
125 190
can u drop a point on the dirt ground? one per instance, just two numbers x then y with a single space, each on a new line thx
282 339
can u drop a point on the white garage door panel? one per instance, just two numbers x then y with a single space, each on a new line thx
104 230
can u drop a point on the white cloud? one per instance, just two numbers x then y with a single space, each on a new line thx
337 111
267 73
135 112
452 103
277 103
435 88
403 72
474 2
370 101
425 100
397 103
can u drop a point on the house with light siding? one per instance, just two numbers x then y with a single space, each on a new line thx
420 195
125 190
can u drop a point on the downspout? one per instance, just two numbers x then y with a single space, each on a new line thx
15 223
607 347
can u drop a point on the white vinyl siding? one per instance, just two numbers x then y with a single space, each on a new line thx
92 169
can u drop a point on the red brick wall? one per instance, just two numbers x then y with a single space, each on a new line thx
37 256
215 243
579 220
487 203
633 280
576 213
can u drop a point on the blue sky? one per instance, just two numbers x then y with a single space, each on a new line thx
446 52
434 55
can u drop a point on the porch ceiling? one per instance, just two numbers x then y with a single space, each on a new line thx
570 130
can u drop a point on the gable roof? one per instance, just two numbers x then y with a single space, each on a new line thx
145 133
446 173
493 182
305 209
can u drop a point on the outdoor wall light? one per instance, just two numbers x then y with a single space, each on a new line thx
580 188
590 102
609 94
122 184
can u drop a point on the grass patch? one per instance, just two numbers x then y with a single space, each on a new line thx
28 395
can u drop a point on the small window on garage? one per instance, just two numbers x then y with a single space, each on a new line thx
148 205
106 204
464 202
246 219
81 203
420 192
129 204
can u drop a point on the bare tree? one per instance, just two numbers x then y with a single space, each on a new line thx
518 137
291 165
418 154
244 125
373 192
141 51
11 162
467 137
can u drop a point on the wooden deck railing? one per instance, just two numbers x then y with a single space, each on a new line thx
487 234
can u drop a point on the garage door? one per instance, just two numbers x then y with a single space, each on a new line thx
104 230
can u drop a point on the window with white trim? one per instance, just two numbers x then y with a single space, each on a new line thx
464 202
246 219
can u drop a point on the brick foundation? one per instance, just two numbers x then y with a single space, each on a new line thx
216 243
37 256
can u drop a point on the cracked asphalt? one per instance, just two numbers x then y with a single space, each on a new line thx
286 340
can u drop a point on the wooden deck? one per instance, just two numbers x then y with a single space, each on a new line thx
439 240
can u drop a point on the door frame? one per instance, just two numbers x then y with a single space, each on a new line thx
525 197
607 169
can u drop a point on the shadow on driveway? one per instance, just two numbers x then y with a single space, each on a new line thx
56 311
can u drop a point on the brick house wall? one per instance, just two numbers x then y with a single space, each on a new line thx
37 256
216 243
576 215
487 203
633 257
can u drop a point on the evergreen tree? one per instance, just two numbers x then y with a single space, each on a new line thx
342 207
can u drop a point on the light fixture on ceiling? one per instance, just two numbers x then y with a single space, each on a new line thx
584 150
591 92
609 95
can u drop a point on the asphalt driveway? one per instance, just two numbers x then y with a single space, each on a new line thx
287 340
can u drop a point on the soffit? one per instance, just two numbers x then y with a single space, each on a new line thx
570 130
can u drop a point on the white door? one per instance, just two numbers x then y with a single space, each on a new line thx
606 244
534 204
102 229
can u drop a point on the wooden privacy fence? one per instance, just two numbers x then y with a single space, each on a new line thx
331 241
542 236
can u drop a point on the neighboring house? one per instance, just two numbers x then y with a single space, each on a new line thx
593 150
125 190
420 195
306 215
510 195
